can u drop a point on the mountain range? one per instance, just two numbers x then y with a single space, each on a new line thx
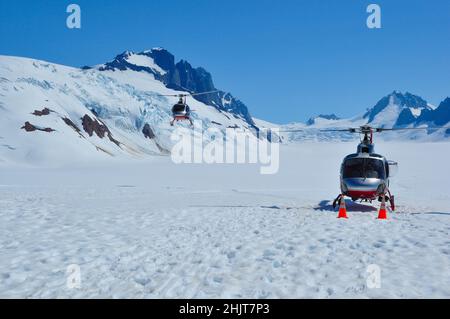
51 112
180 76
395 110
399 110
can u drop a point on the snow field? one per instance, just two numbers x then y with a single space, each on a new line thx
159 230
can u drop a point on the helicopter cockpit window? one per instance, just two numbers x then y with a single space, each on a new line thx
179 108
364 168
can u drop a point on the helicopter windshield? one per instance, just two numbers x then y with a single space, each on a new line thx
180 108
364 168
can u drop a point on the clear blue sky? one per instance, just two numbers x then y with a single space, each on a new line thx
287 59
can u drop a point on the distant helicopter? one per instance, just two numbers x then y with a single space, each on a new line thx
181 111
365 174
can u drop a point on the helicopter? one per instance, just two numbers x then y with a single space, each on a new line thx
181 110
365 175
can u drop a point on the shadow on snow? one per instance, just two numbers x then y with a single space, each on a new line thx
352 206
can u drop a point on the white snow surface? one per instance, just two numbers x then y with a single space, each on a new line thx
153 229
416 111
145 61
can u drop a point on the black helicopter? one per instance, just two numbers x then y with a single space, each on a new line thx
181 111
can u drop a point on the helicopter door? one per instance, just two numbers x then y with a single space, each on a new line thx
393 168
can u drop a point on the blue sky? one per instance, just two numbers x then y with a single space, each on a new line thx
287 60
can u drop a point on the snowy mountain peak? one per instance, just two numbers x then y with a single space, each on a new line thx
139 62
397 110
180 76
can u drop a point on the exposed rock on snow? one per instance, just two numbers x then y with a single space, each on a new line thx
148 132
92 125
72 125
31 128
45 111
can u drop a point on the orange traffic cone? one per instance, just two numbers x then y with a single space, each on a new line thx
382 214
342 209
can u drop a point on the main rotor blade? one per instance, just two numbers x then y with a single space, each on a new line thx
172 95
349 130
380 129
203 93
360 130
187 94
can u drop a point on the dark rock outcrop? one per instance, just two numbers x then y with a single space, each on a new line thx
72 125
182 76
148 132
92 126
28 127
405 118
440 116
163 58
45 111
31 128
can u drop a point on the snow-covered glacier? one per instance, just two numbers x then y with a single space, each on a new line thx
71 194
94 113
154 229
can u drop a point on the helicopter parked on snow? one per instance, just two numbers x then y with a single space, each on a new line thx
365 175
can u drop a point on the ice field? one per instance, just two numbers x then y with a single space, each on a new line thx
153 229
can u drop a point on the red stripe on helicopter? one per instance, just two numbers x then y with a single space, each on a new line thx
362 194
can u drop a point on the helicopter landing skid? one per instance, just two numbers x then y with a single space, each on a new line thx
390 198
337 201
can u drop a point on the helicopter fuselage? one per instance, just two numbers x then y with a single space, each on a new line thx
364 175
181 112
